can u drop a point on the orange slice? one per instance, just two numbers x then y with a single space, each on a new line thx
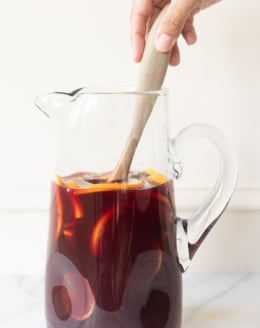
155 178
59 180
151 171
130 185
71 184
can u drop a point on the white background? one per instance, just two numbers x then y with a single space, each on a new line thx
60 45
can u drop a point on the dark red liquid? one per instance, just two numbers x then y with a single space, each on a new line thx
112 259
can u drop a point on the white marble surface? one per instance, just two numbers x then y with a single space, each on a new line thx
215 301
222 301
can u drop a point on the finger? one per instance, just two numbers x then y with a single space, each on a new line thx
172 24
140 14
175 56
156 12
189 32
195 11
158 6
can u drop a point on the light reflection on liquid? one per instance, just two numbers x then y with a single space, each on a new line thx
98 231
77 207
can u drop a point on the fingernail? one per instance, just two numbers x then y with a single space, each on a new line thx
164 42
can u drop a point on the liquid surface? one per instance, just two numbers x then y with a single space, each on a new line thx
112 257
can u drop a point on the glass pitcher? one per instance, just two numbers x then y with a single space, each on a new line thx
117 250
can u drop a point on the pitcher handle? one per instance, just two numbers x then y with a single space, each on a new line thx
192 231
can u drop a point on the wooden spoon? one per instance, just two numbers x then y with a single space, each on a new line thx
151 75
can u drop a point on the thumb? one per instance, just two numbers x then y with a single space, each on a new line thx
172 24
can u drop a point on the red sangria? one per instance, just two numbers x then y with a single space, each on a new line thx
112 259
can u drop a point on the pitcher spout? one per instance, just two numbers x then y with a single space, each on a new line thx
53 102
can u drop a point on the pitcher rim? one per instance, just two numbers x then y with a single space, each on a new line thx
118 90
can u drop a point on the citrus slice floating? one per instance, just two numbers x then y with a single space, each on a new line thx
130 185
154 178
149 176
71 184
59 214
59 180
151 171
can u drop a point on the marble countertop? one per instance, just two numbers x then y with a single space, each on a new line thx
215 301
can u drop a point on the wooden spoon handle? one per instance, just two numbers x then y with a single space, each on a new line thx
151 75
154 63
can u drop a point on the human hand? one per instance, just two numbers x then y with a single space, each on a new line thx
177 21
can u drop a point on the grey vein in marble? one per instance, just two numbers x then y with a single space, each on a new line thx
221 301
21 302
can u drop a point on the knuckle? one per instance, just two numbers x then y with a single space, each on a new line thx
171 24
